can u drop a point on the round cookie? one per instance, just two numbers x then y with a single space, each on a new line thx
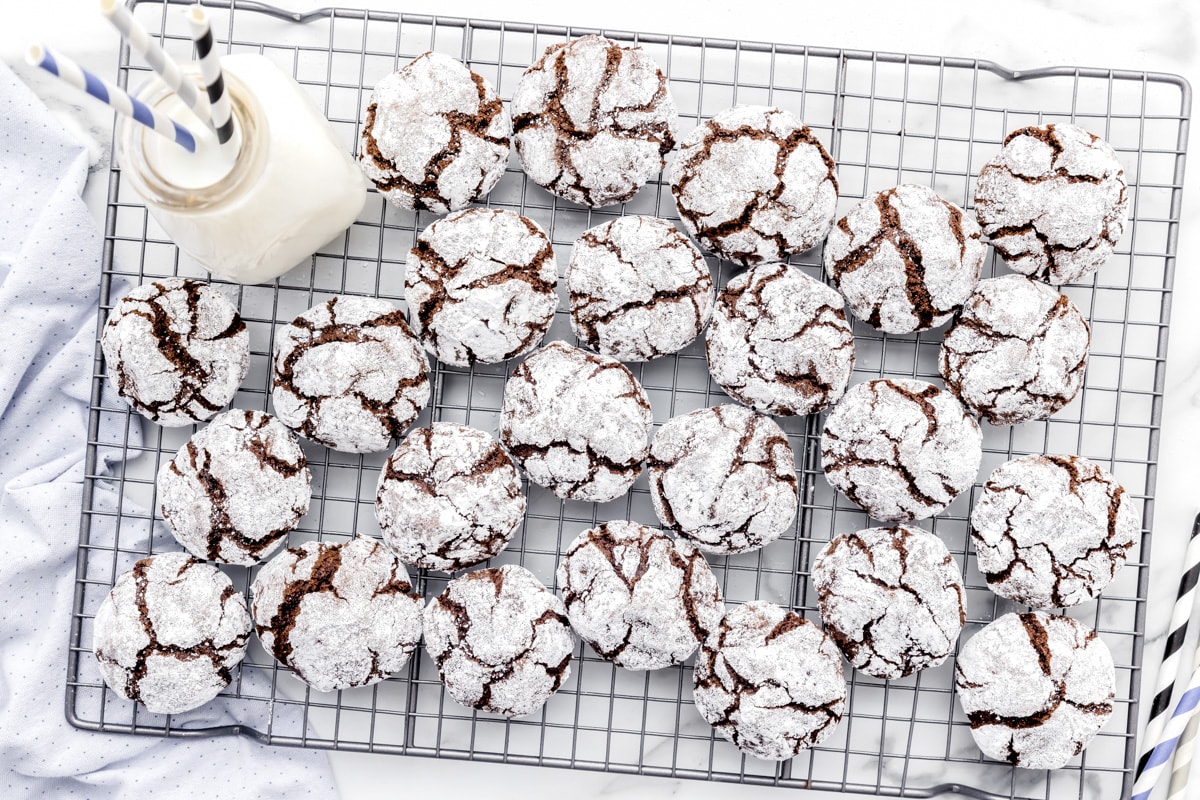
435 136
754 185
480 286
1053 202
1017 351
639 289
1052 531
640 598
593 120
176 350
770 681
1036 688
779 341
232 493
448 497
349 374
901 449
337 615
892 599
905 259
576 422
724 478
170 632
500 640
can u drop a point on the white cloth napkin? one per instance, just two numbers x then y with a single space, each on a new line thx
49 273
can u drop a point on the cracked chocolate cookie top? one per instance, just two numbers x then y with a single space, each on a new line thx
639 289
640 598
232 493
770 681
1052 531
754 185
593 120
1017 352
337 614
500 640
449 497
892 599
724 478
779 341
170 633
480 286
576 422
905 259
176 350
1036 688
435 136
902 449
349 374
1053 202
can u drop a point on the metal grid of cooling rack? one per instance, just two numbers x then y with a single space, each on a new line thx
886 118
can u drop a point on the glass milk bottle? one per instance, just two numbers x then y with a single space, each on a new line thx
257 206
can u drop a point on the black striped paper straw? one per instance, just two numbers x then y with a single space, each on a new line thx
210 68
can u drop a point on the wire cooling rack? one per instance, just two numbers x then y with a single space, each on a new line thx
886 118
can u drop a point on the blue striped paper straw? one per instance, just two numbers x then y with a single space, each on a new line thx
114 97
210 68
1160 756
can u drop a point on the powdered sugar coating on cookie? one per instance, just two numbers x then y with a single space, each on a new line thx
435 136
337 614
770 681
232 493
448 497
481 286
593 120
640 598
1036 688
176 350
754 185
905 259
1053 202
639 289
779 341
170 633
500 640
1052 531
902 449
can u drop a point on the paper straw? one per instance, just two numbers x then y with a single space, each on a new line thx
210 68
1181 768
167 68
1160 756
115 97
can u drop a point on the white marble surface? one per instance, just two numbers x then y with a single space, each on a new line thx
1159 35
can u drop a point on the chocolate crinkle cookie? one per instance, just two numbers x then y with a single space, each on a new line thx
901 449
593 120
232 493
337 614
1053 202
1036 688
500 640
449 497
905 259
1017 351
176 350
1052 531
754 185
435 136
770 681
779 341
892 599
724 478
349 374
577 423
481 286
170 633
639 289
640 598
